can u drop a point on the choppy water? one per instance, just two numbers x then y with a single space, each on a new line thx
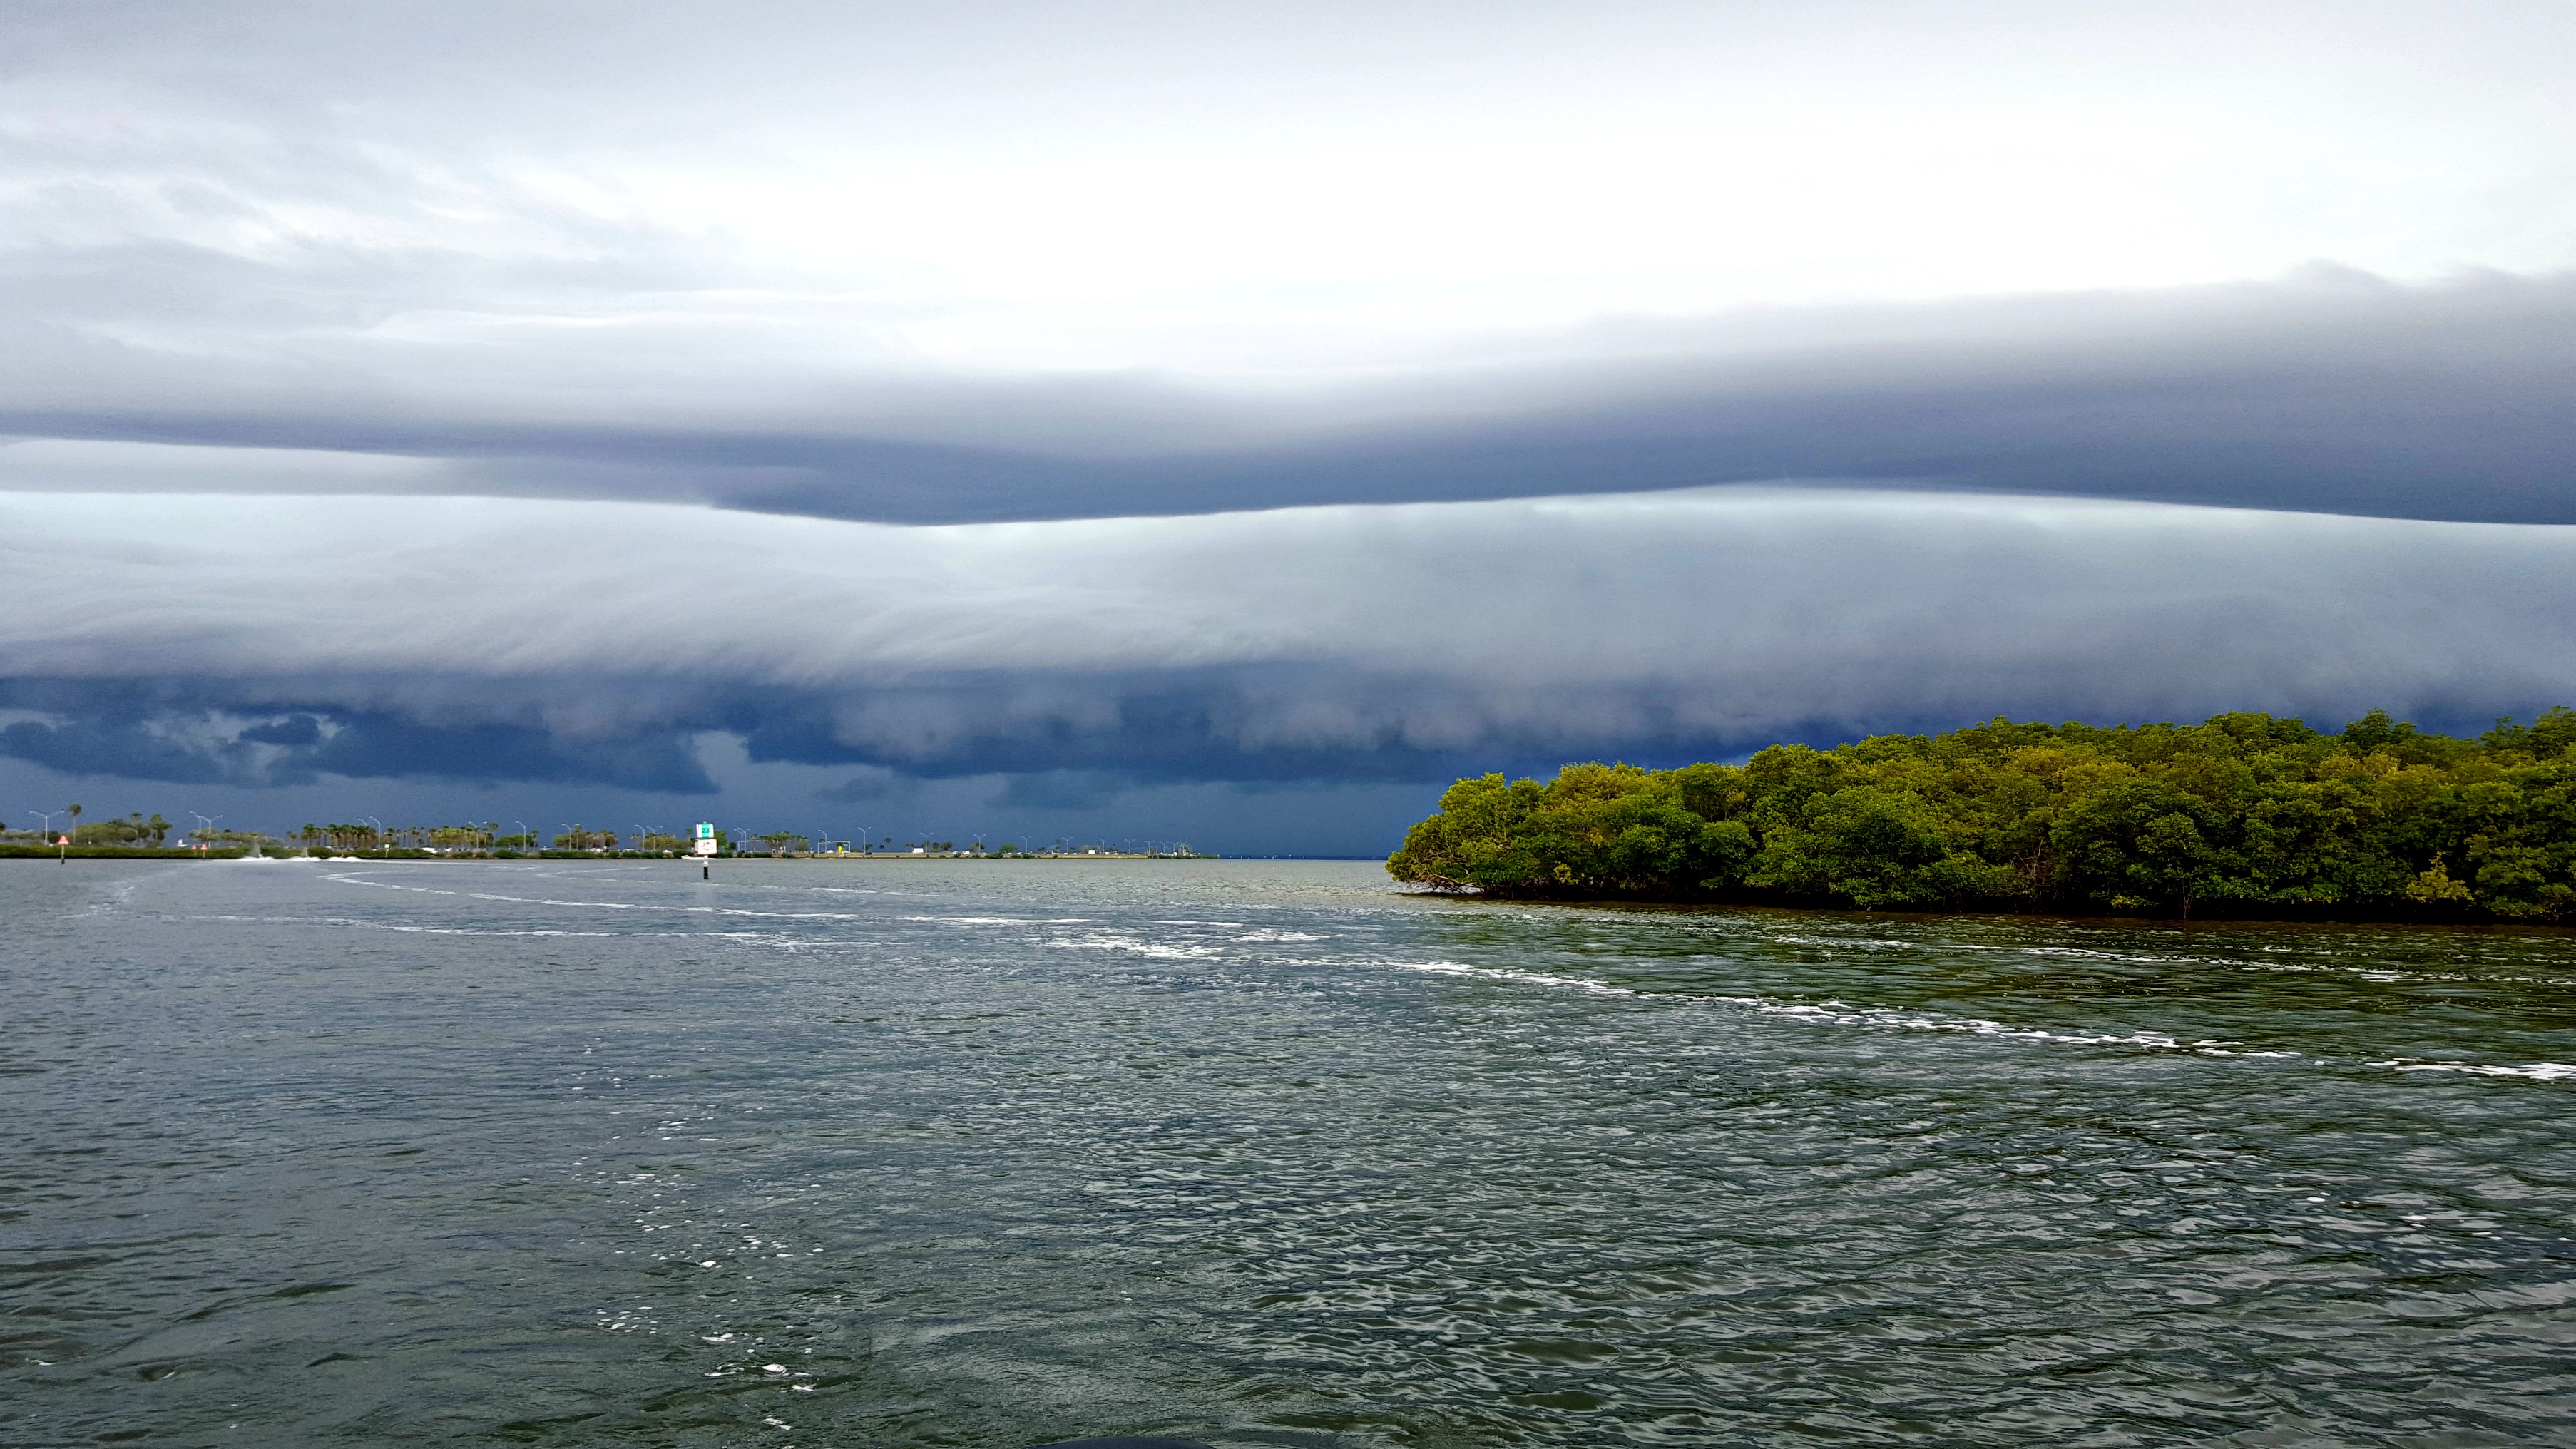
894 1153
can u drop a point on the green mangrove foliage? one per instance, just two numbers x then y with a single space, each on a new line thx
132 830
2244 814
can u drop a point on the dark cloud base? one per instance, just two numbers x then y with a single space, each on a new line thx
2340 395
191 735
192 732
264 642
205 732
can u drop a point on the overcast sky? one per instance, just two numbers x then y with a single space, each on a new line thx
1229 422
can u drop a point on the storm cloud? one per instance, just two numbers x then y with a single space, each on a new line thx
1385 641
2327 393
1066 403
1009 263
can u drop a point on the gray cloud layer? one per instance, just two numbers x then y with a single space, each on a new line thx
482 638
266 230
2325 393
1154 393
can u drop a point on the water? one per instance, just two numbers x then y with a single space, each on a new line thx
981 1153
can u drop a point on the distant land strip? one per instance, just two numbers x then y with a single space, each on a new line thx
21 849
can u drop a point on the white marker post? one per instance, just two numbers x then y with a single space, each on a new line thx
705 846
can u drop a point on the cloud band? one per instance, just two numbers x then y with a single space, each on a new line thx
504 638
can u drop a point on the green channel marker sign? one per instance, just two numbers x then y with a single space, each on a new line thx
706 842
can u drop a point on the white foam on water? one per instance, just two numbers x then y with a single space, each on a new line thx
1828 1013
1840 1014
460 931
1000 920
2072 953
1490 973
2530 1071
2385 975
404 928
1161 951
605 905
1883 1018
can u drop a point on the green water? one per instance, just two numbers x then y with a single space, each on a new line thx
980 1153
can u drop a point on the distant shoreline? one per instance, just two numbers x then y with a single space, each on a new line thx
15 851
181 852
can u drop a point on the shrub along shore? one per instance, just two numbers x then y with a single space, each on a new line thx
10 850
15 849
2242 815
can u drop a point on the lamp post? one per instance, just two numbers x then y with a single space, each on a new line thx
379 827
48 817
204 823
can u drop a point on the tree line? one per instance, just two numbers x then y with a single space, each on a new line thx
131 830
2242 814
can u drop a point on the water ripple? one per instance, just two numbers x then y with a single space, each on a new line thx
987 1153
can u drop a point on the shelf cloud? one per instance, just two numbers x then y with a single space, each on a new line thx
980 264
2321 393
272 638
1161 397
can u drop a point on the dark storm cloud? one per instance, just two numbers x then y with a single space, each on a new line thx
487 639
2330 394
194 731
966 263
1288 387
